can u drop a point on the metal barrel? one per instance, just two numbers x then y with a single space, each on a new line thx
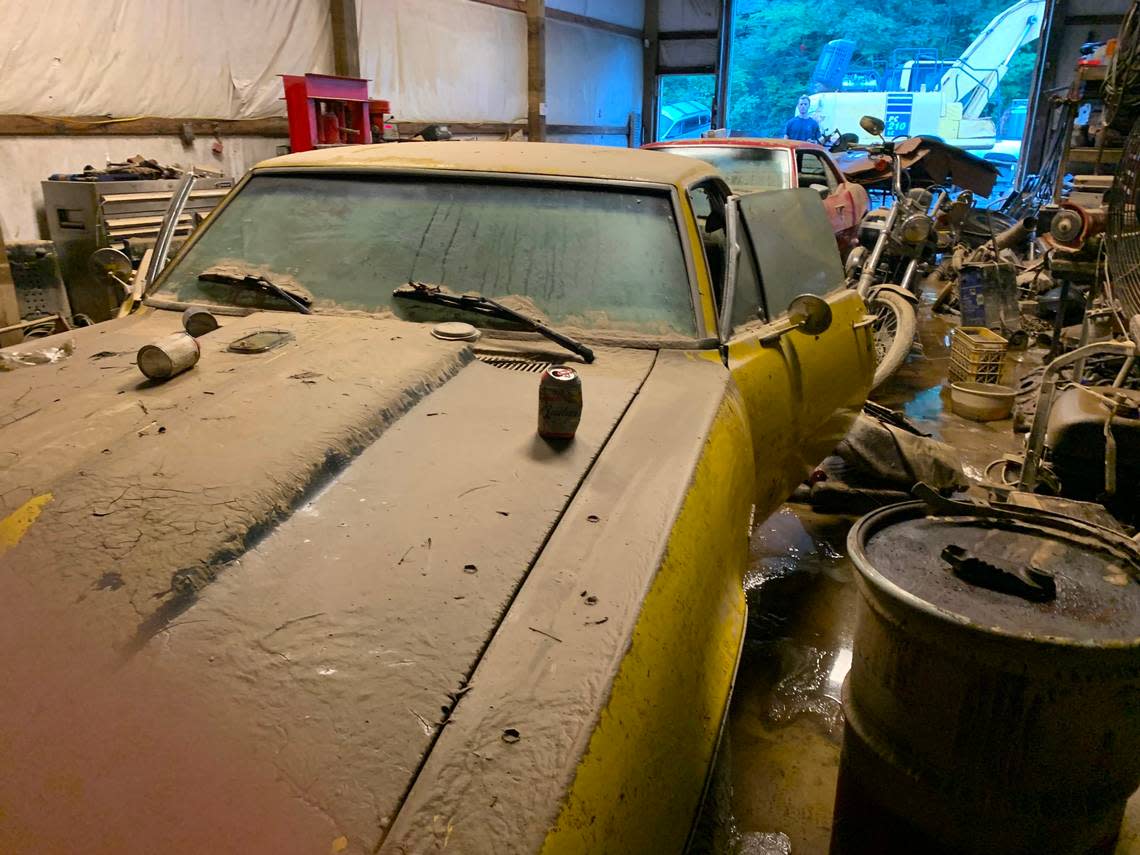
976 720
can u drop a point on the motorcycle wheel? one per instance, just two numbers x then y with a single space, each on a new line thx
894 329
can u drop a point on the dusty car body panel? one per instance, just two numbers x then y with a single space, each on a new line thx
153 480
360 566
617 692
419 556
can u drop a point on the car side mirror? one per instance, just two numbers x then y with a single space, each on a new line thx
113 268
872 125
822 189
807 313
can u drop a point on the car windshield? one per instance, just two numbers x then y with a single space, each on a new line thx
746 168
595 258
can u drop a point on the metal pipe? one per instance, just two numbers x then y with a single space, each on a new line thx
909 274
867 278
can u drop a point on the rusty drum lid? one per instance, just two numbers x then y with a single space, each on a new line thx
1032 578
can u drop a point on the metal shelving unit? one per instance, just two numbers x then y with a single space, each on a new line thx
1085 89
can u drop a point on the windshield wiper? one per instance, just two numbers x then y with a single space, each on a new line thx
259 283
481 305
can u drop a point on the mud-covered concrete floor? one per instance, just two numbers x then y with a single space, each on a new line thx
774 786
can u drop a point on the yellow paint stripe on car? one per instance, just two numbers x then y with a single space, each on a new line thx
662 720
14 526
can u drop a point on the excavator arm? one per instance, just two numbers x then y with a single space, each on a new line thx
973 78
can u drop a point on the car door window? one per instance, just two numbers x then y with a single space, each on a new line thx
814 171
709 202
794 245
747 296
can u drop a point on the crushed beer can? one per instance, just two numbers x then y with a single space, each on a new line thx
559 402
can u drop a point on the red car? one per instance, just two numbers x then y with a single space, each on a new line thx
753 164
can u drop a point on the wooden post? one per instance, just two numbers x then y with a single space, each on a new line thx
346 40
536 70
9 305
649 72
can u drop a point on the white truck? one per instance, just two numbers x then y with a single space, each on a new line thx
920 94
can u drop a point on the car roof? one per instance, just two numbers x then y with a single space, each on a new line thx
742 142
681 109
520 158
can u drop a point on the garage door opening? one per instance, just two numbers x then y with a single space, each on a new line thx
686 105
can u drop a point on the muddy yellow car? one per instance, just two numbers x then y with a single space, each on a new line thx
330 591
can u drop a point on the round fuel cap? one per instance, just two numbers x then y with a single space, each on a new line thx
455 331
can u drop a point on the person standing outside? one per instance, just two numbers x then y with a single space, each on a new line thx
801 126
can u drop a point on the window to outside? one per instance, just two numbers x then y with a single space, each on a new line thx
577 256
684 105
746 168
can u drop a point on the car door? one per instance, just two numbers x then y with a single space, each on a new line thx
802 391
814 171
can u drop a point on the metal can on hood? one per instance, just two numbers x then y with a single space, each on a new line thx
559 402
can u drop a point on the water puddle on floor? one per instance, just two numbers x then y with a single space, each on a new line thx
773 788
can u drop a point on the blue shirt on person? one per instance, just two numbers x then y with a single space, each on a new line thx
805 128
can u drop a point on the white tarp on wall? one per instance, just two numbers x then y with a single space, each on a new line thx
628 13
444 59
450 60
193 58
465 61
689 15
202 58
593 77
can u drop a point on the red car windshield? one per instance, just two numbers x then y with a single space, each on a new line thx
746 168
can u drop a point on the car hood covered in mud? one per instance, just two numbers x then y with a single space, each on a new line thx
240 605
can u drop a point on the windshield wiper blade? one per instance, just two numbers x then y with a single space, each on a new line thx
259 283
481 305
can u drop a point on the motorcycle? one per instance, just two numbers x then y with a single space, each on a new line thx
895 243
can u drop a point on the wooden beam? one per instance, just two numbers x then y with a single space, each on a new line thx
649 59
536 70
567 17
594 23
685 35
461 129
687 69
346 40
18 125
510 5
